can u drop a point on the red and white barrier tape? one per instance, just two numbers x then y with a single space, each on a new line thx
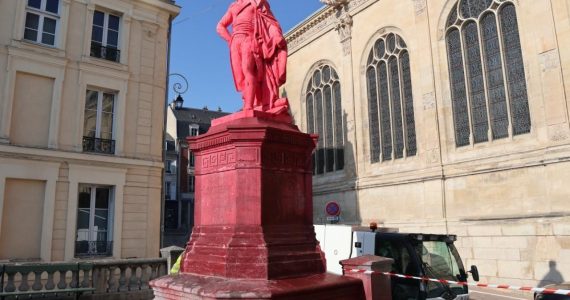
496 286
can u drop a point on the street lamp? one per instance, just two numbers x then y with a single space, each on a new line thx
180 89
178 102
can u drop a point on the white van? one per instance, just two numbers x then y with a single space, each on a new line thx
417 254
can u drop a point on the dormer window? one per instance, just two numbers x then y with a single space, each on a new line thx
194 130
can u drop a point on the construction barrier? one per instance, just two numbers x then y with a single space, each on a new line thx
464 283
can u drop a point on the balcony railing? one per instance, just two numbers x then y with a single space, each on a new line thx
91 144
93 248
108 53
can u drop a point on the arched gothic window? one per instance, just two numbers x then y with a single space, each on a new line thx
390 100
324 117
486 70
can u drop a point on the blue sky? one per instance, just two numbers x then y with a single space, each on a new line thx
202 56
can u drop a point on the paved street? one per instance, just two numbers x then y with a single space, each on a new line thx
489 294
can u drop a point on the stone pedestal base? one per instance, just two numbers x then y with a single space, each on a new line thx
254 236
314 287
254 210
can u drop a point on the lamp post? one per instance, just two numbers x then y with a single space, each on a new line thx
180 87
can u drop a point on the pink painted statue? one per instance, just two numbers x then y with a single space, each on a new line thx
258 53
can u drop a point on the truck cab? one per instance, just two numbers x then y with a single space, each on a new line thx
416 254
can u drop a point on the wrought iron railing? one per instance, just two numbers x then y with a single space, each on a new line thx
108 53
91 144
93 248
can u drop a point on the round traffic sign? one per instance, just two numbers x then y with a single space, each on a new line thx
332 209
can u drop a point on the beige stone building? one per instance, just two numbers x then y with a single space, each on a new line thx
82 88
444 116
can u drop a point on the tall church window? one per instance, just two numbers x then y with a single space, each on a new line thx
390 100
486 70
324 117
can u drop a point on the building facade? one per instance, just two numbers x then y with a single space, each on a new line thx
444 116
179 204
82 87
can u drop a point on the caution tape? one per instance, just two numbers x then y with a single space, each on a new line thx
464 283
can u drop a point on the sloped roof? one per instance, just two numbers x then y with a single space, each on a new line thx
187 116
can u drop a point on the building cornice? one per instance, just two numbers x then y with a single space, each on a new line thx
321 22
37 53
537 158
314 26
100 66
172 9
25 153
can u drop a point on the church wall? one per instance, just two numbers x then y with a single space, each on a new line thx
506 199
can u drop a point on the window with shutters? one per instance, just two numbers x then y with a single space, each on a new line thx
324 117
486 71
390 100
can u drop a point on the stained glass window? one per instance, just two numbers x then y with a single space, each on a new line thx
319 120
520 114
495 82
408 104
325 118
475 83
458 90
385 118
390 100
486 70
373 115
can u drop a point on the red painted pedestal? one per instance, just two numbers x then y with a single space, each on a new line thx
376 285
315 287
254 237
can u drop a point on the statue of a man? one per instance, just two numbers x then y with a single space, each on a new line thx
258 53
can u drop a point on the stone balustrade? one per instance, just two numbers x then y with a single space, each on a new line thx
97 279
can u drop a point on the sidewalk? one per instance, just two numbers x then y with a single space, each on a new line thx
476 293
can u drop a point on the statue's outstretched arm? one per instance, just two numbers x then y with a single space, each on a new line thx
222 27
